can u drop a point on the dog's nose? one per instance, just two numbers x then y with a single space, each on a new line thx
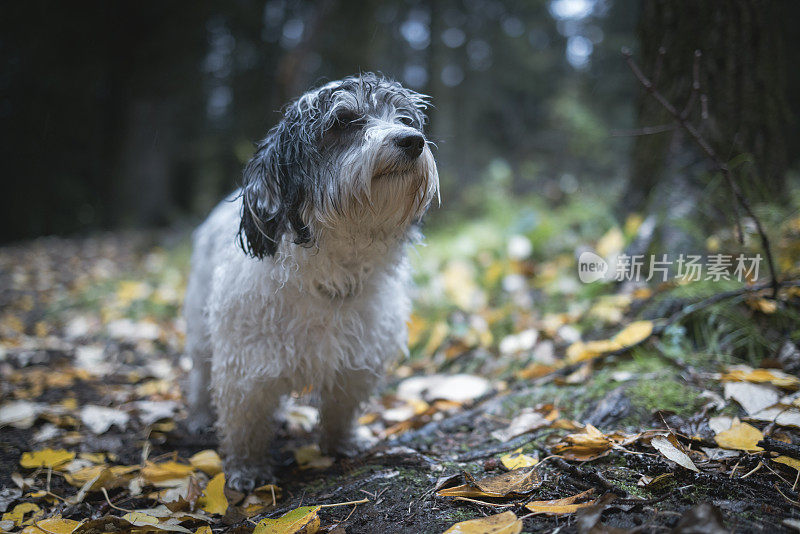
411 144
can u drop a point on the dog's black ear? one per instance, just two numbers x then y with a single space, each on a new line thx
273 194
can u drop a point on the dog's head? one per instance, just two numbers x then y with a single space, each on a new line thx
348 157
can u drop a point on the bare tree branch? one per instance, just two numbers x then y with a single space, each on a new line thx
710 153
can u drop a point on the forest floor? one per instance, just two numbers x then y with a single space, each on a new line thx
529 402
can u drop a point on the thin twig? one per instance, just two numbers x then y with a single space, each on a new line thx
711 155
646 130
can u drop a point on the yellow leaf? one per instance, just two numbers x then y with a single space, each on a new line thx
303 520
785 460
740 436
52 525
566 505
17 515
773 376
154 473
763 305
205 529
46 458
310 457
438 335
634 333
416 328
517 460
105 477
611 243
207 461
213 499
581 351
588 445
130 290
505 523
535 370
139 519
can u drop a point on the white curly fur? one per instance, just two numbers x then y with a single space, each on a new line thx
324 316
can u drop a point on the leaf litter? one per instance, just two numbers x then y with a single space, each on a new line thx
497 397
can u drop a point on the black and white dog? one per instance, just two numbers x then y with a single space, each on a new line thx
299 280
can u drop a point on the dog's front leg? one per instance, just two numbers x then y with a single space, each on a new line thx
340 403
245 408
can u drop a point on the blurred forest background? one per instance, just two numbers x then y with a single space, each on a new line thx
120 115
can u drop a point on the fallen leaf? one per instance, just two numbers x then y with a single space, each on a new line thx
303 520
213 499
584 446
517 460
566 505
673 451
752 397
505 523
458 388
20 511
52 525
20 414
740 436
786 460
100 418
207 461
586 350
634 333
516 482
773 376
141 519
310 457
52 458
165 472
779 414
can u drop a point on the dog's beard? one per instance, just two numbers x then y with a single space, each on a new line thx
379 191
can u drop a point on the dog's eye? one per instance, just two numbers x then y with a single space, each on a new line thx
408 121
345 119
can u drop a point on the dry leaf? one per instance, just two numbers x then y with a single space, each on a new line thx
517 460
310 457
52 458
634 333
516 482
566 505
20 511
213 499
752 397
458 388
746 374
588 445
740 436
52 525
779 414
165 473
302 520
786 460
207 461
673 451
505 523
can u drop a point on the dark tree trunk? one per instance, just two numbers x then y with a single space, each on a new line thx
742 74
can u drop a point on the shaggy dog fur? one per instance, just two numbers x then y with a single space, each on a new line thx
299 279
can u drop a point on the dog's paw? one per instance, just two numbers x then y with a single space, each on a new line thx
246 478
200 423
348 447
